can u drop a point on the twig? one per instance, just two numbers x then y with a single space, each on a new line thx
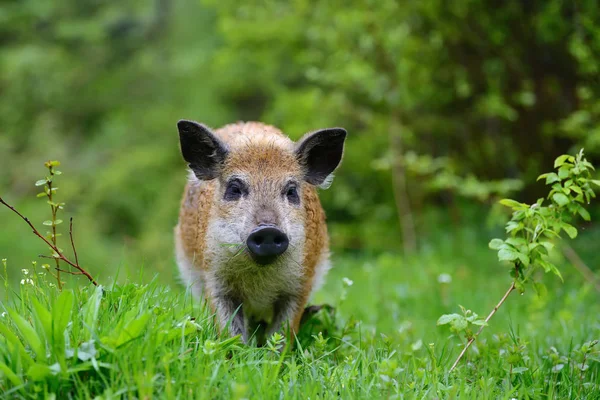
61 256
69 272
464 350
53 208
582 371
580 266
72 242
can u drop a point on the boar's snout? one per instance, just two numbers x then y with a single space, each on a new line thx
266 243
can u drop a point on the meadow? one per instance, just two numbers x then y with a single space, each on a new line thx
374 336
151 341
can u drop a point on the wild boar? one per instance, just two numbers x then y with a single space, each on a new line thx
252 238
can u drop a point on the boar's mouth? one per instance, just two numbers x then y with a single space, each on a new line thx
263 261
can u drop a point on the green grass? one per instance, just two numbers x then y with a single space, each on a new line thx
151 341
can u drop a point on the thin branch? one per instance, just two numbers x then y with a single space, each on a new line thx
53 208
61 256
69 272
72 242
580 266
464 350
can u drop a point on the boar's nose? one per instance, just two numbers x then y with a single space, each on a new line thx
266 243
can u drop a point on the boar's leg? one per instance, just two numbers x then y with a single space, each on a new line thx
284 314
230 316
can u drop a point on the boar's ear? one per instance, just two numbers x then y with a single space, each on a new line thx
203 151
320 153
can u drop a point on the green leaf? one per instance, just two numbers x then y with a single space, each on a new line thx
519 370
132 330
540 249
459 324
584 213
560 160
41 182
507 254
28 333
14 343
515 205
560 199
39 372
90 312
549 267
61 314
43 316
551 234
10 375
58 221
516 241
595 182
550 178
513 226
47 223
570 229
39 195
448 318
588 164
524 259
495 244
563 172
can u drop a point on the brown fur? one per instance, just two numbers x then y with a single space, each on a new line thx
264 155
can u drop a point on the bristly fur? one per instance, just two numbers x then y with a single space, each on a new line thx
211 234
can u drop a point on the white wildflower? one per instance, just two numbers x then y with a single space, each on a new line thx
444 278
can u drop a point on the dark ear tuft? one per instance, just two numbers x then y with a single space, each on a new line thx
203 151
320 153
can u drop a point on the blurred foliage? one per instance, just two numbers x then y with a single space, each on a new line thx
483 93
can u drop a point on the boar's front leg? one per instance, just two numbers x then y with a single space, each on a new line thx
230 316
286 310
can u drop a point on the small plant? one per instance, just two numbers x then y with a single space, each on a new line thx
51 237
533 228
585 351
462 324
49 192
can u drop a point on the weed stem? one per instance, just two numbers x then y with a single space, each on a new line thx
61 256
491 314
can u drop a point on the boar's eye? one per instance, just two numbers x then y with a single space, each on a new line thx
291 192
234 190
